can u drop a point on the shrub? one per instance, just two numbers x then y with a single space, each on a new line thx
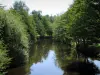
14 35
4 59
61 34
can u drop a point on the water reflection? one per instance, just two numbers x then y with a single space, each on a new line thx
41 62
18 71
49 58
81 68
47 67
75 64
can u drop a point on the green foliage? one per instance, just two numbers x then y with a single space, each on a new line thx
55 23
4 59
18 28
46 23
42 24
22 10
37 17
20 5
82 20
14 35
61 32
32 28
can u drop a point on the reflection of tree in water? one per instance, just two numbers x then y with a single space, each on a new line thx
18 71
72 63
64 53
81 68
39 51
92 51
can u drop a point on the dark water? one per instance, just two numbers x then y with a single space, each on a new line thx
49 58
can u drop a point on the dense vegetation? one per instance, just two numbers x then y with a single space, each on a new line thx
4 59
80 22
82 25
19 28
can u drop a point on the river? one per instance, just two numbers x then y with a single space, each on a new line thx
49 58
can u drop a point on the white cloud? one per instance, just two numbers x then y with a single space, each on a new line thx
46 6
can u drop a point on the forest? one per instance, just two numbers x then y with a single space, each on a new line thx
19 29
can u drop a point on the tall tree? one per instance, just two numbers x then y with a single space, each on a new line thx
37 17
22 10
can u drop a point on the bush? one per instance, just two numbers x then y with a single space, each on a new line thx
4 59
61 35
14 35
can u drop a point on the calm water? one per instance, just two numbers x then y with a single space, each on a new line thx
49 58
46 67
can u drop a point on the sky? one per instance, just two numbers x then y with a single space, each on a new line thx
50 7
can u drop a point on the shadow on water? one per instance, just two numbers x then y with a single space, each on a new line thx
92 51
78 62
81 68
41 60
50 58
40 50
